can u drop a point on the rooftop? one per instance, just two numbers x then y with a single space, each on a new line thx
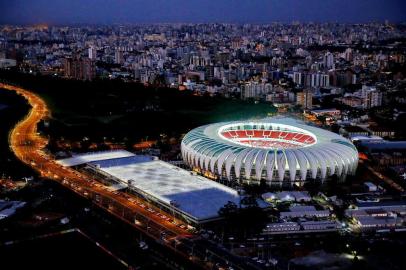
380 128
353 129
302 208
194 195
287 196
385 145
372 221
78 159
364 205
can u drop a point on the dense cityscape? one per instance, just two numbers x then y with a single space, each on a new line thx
211 145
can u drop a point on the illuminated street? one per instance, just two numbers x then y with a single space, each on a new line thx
226 135
28 146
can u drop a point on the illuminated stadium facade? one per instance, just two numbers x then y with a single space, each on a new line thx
274 150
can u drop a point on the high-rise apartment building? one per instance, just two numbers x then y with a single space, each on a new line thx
328 60
371 97
92 53
256 90
312 79
118 57
304 99
79 68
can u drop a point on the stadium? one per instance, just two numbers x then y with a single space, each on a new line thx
274 150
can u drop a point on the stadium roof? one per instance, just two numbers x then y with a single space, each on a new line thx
78 159
265 149
194 195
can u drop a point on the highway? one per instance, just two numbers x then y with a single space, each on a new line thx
29 146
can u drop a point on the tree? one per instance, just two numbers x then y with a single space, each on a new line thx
249 202
228 210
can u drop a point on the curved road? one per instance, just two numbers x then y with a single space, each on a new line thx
29 146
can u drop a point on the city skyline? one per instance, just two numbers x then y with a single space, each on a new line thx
228 134
199 11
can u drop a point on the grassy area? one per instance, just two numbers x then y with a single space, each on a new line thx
108 108
232 110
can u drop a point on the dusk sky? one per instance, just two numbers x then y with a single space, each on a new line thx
154 11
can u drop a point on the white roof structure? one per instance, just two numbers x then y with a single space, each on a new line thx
370 221
193 195
78 159
302 208
8 208
287 196
274 150
365 138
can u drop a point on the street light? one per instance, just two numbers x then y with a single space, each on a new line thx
354 253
